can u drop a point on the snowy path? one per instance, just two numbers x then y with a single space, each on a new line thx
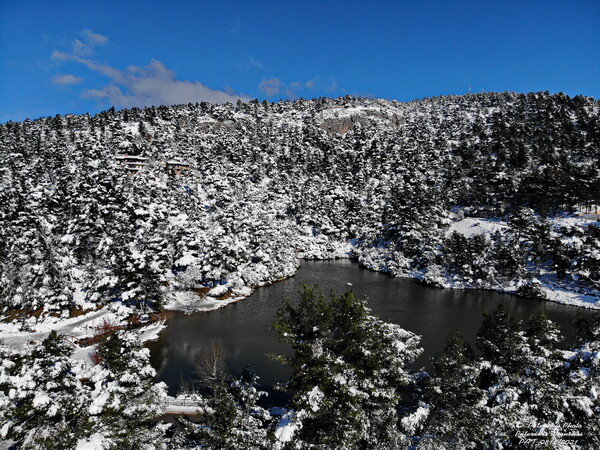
77 327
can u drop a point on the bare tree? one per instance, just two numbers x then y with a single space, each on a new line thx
211 364
186 386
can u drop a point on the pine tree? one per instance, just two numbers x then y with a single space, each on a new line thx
500 338
230 417
126 401
502 343
457 418
539 369
580 385
47 402
349 370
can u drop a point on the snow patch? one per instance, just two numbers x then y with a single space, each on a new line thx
151 332
472 226
286 427
314 397
95 442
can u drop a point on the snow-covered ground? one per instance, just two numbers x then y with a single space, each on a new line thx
190 301
561 295
554 291
471 226
75 329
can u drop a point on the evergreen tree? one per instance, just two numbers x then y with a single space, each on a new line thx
46 402
229 417
348 370
126 402
580 385
502 342
457 417
540 367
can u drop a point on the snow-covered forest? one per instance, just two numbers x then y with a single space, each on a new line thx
191 206
267 182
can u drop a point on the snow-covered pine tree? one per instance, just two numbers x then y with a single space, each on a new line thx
580 384
230 417
125 400
455 399
348 371
45 404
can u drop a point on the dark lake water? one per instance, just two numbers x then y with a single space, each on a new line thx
243 328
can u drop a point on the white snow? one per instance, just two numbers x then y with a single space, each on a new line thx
471 226
151 332
176 409
74 328
84 354
187 260
314 398
190 301
182 404
559 295
96 441
286 427
41 399
131 128
98 404
411 422
218 291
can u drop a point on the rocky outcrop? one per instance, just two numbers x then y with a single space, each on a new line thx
344 122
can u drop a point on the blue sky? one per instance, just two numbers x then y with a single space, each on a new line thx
59 57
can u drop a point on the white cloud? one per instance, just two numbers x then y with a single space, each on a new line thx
66 79
80 48
89 40
251 63
93 38
105 70
271 86
333 85
153 84
255 62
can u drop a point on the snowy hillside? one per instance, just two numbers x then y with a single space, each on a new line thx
160 206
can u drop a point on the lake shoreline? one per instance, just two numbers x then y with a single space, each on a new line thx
552 293
244 326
